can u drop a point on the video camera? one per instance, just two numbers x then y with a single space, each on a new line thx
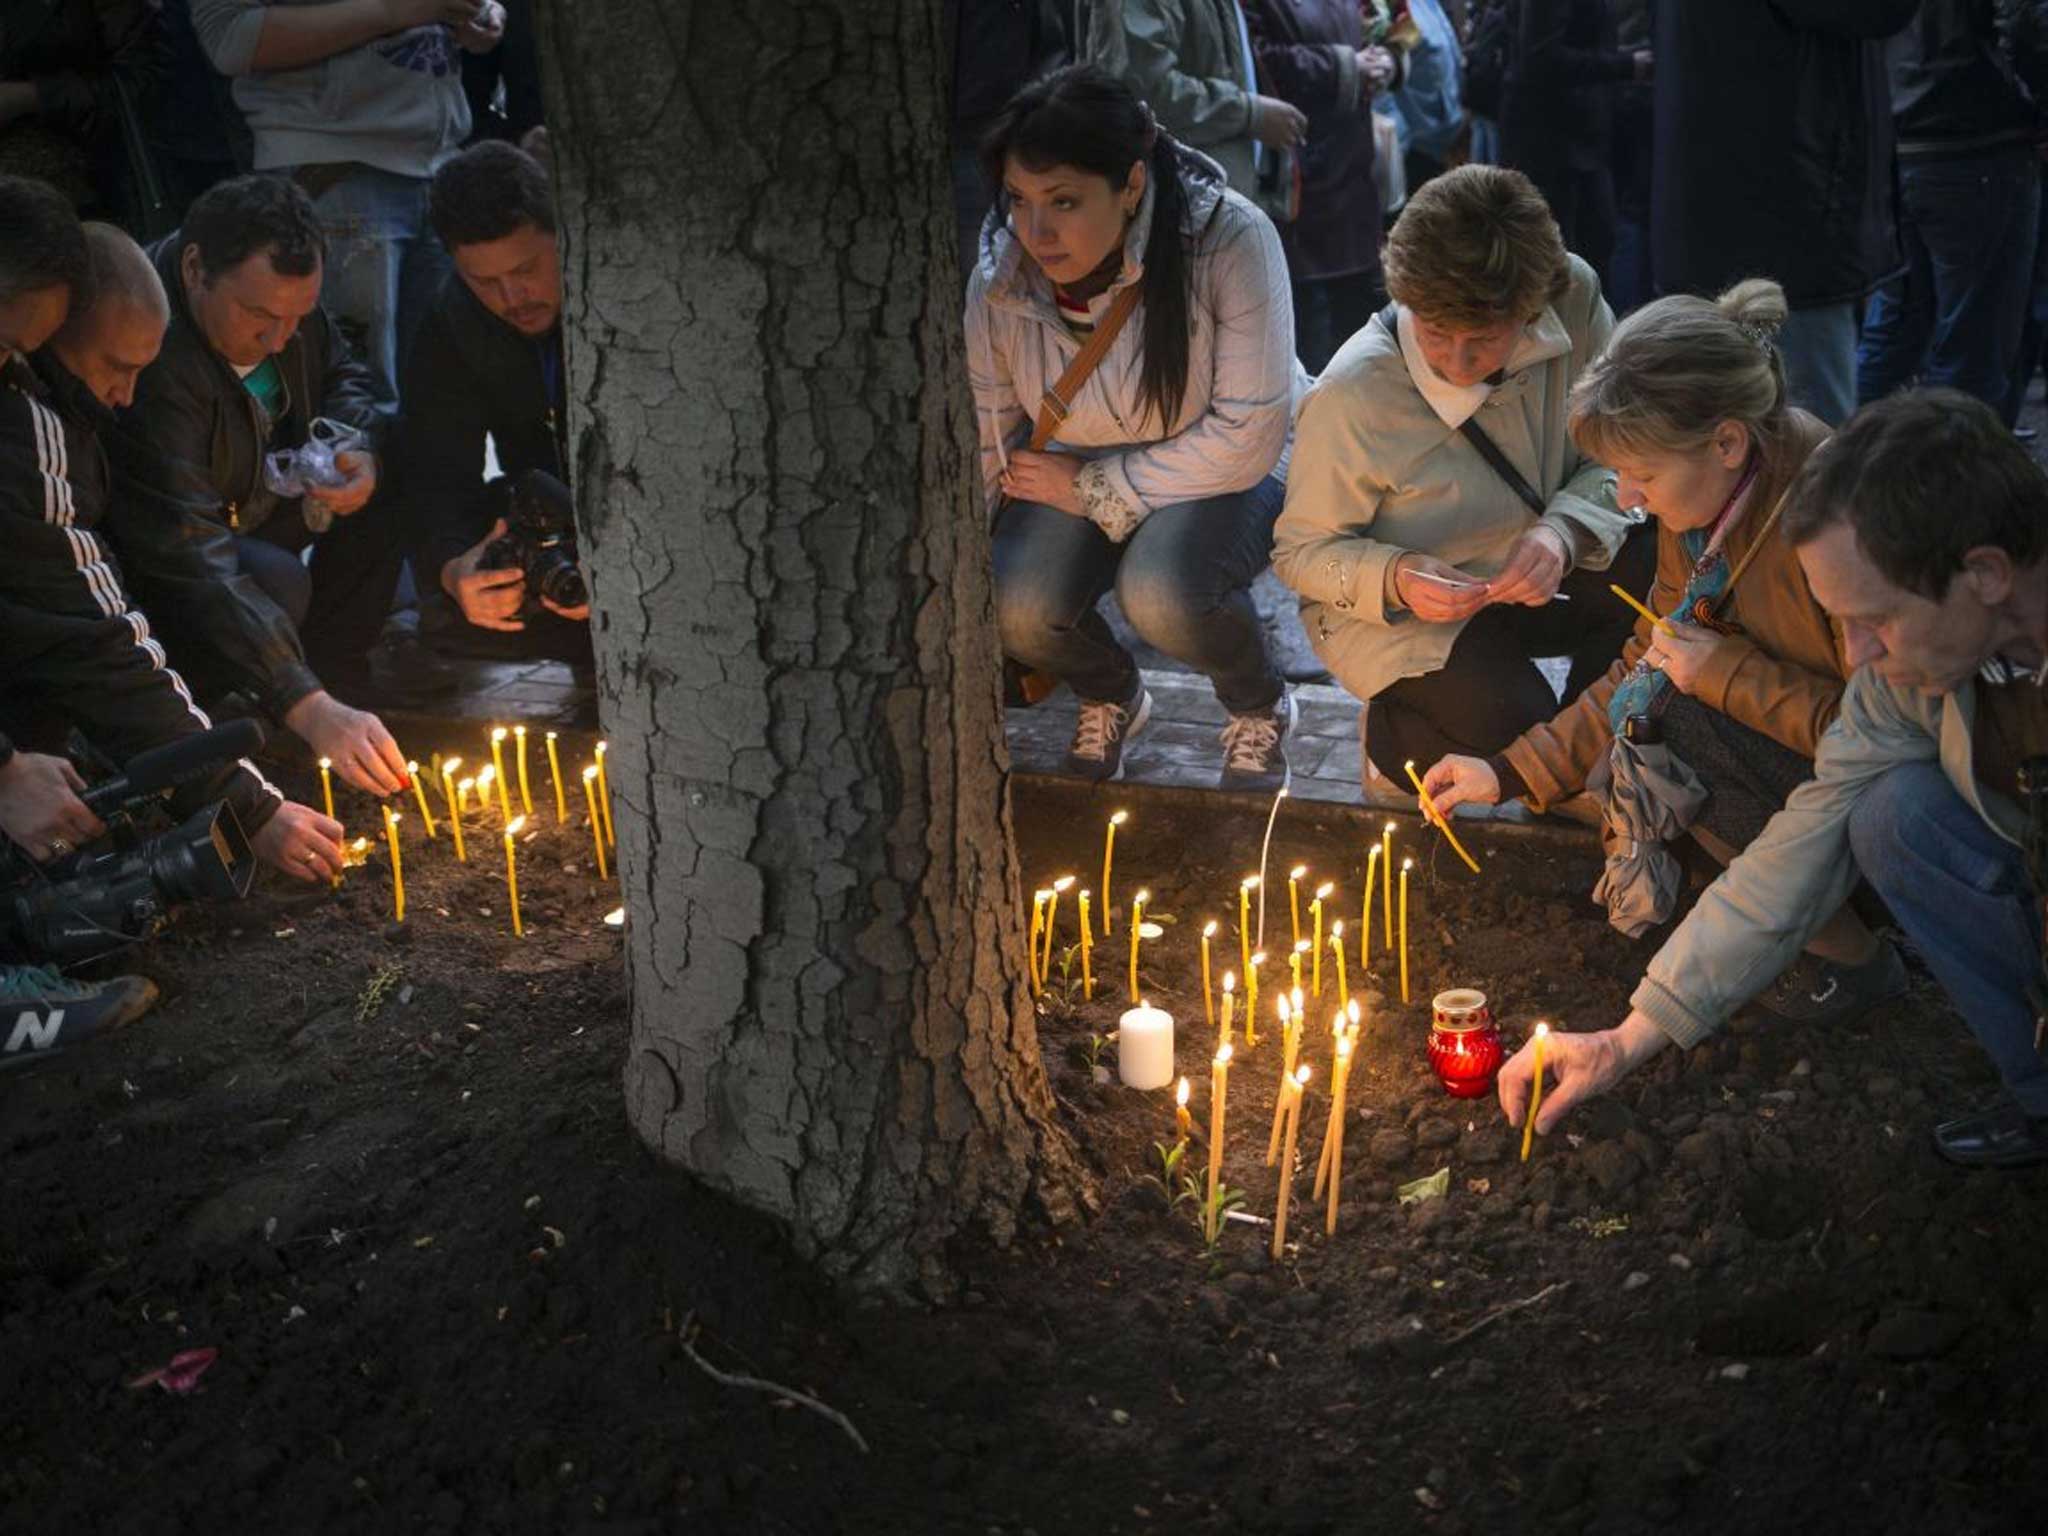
121 890
540 541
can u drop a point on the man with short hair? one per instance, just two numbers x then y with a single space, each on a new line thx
78 647
249 362
358 101
1922 527
43 264
489 364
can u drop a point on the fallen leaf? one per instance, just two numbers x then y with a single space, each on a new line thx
1435 1187
424 1242
182 1375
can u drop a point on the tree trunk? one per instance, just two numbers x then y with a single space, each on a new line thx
794 622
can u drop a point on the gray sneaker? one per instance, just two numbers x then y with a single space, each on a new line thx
41 1010
1255 747
1097 751
1816 991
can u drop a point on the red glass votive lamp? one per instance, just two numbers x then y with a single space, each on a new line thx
1464 1044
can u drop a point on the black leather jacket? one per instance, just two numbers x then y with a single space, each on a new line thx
1968 76
188 464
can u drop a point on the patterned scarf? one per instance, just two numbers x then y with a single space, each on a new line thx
1645 690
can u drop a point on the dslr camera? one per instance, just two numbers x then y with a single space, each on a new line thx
121 890
539 541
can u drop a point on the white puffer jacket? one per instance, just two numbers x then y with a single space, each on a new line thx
1243 380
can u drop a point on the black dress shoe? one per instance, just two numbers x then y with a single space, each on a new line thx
2005 1137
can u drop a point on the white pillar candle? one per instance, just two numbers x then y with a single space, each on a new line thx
1144 1047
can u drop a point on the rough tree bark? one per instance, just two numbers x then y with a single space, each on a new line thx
795 638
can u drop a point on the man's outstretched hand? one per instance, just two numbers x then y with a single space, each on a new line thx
301 842
354 740
1580 1067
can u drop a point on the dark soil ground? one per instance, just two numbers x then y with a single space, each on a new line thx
391 1181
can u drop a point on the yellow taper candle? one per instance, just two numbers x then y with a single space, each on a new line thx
1251 998
1406 865
596 825
1244 923
1108 856
1052 917
1337 956
1229 1006
525 789
484 781
1300 1085
1137 917
1039 898
1656 619
498 735
512 830
327 785
1387 886
397 868
1315 909
1219 1090
1208 994
448 783
604 793
1281 1007
419 792
1294 962
1294 897
1372 870
1087 945
1443 822
1535 1089
555 777
457 793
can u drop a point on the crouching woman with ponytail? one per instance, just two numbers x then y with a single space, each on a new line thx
1746 669
1153 472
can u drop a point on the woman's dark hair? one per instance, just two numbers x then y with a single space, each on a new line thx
487 192
1084 117
41 243
1924 477
237 218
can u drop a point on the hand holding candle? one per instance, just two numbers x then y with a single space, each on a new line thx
1535 1089
1443 822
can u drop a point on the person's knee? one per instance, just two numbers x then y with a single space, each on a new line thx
1895 823
1029 611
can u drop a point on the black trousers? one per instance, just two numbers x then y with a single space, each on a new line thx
546 637
353 576
1490 690
1748 776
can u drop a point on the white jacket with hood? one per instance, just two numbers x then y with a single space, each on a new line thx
1243 380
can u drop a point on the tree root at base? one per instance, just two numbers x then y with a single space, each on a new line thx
759 1384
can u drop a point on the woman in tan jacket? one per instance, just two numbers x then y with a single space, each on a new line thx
1746 669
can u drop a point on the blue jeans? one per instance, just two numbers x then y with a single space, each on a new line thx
385 266
1969 227
1181 580
1819 348
1961 893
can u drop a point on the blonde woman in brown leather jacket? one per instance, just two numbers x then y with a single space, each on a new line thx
1744 670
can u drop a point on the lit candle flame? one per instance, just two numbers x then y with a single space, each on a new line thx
449 765
1249 882
1230 981
1119 818
1180 1094
1222 1057
1297 872
1324 889
1542 1030
1301 1075
1064 883
1209 929
1351 1010
515 826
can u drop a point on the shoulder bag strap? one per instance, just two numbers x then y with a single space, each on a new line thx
1475 434
1052 410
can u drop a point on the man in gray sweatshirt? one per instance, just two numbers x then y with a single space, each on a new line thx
358 101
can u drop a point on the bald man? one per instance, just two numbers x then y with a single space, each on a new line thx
79 649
